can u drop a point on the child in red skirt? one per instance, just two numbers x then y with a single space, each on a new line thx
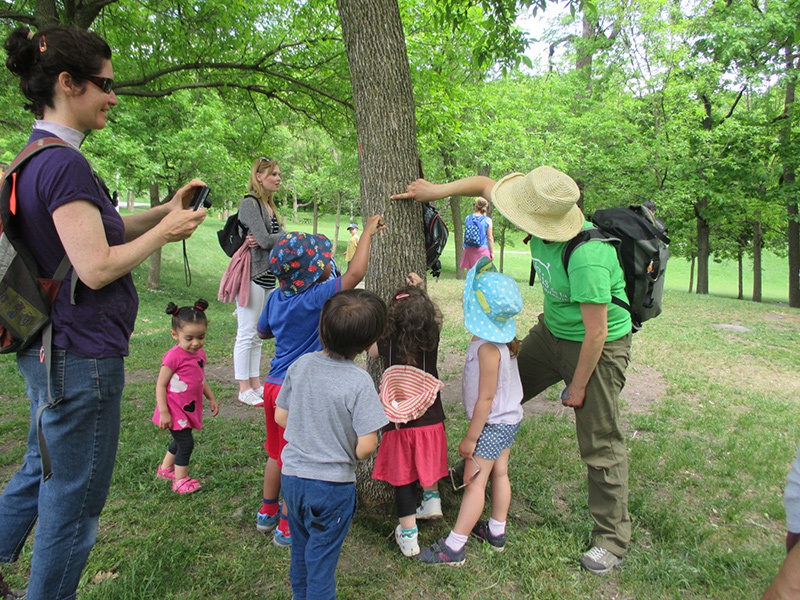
415 451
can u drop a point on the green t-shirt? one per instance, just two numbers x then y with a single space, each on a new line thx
595 275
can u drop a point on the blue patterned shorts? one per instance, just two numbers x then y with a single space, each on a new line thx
495 438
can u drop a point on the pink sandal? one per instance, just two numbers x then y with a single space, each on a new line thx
168 473
186 486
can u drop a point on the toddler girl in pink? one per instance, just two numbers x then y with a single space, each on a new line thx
180 389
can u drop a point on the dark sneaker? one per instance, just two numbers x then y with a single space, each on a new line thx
496 542
599 560
440 553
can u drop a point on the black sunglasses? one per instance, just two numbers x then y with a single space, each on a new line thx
104 83
263 159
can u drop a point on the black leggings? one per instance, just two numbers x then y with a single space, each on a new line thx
405 498
181 446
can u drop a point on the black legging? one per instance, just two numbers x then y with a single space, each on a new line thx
181 446
405 497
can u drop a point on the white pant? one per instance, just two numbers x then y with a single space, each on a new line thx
247 348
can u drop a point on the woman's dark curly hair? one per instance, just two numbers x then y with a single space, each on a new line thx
415 323
39 58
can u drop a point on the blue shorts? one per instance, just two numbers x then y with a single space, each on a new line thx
495 438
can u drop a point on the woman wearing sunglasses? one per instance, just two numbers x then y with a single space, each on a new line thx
62 207
259 216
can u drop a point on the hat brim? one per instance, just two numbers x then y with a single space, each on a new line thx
509 196
406 392
479 323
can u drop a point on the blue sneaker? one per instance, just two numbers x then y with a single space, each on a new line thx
281 541
267 524
440 553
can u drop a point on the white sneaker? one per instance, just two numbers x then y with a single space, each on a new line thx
250 398
599 560
408 545
430 509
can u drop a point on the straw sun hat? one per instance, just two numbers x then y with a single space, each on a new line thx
543 203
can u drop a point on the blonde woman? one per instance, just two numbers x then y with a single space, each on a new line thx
478 235
259 214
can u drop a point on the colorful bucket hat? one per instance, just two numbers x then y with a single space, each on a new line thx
407 392
491 300
298 259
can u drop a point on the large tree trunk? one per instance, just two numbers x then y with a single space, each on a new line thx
154 272
387 151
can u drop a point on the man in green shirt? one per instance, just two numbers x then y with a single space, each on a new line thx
581 338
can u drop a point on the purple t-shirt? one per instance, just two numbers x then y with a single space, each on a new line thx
294 323
100 322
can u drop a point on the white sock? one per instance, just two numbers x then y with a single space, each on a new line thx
497 528
456 542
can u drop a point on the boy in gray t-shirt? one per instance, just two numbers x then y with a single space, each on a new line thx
331 412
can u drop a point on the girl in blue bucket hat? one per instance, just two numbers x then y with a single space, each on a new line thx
492 396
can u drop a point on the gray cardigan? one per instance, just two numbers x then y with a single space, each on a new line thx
254 216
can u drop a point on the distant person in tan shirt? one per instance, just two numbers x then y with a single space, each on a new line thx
352 244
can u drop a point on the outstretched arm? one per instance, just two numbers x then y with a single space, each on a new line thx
425 191
80 229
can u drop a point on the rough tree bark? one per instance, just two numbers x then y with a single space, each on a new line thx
387 151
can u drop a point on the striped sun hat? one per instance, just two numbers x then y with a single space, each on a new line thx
407 392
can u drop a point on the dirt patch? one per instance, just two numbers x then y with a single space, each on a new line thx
644 387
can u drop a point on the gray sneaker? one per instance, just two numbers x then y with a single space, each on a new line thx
599 560
440 553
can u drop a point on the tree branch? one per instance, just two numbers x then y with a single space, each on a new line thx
120 88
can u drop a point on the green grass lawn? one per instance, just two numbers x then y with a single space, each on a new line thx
710 414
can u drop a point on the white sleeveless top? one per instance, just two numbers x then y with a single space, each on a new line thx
506 407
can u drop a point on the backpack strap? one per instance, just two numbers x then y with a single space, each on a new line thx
7 210
587 235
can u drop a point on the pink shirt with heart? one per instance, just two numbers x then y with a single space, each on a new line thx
185 389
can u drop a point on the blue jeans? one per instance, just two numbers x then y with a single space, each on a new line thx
320 513
82 432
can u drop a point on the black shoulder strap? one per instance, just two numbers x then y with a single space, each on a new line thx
586 235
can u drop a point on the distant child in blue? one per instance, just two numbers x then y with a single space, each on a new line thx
302 262
332 415
180 389
492 395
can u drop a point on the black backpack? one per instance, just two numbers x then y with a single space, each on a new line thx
436 234
643 250
231 236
